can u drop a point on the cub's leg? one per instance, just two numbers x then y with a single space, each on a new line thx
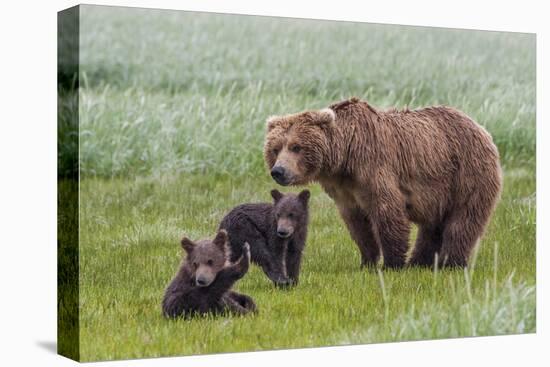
268 258
293 261
240 303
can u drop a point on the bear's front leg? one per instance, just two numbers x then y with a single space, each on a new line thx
360 229
293 261
393 227
229 275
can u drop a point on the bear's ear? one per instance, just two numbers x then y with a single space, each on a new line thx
187 245
276 195
272 122
221 240
304 196
324 116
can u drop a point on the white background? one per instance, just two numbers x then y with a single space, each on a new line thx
28 182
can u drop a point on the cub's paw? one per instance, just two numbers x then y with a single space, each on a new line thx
242 264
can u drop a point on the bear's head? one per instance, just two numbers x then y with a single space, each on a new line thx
297 146
206 258
291 212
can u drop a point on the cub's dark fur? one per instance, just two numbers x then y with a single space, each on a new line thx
205 278
276 233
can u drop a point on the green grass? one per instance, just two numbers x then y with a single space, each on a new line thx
187 92
172 112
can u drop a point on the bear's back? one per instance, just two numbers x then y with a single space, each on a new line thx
256 213
247 221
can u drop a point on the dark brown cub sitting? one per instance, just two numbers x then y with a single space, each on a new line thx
204 280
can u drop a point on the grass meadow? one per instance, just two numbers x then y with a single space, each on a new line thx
172 113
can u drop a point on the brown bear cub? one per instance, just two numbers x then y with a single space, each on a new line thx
386 169
204 280
276 233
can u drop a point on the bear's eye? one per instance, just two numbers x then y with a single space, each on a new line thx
195 265
210 262
275 151
295 148
290 215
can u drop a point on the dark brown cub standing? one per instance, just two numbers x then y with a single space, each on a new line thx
276 233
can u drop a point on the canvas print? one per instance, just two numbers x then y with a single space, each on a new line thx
232 183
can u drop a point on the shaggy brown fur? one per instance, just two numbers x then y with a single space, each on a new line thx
385 169
204 280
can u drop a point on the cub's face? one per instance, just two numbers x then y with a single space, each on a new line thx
296 145
291 212
206 258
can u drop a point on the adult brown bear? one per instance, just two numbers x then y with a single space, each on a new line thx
384 169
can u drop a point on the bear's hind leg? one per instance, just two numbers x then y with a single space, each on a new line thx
428 243
460 236
238 304
244 301
360 228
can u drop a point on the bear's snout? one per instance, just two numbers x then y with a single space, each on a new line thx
284 230
285 227
279 175
201 282
204 280
283 233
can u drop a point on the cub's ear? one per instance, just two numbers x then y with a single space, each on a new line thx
272 122
276 195
221 239
304 196
324 116
187 245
